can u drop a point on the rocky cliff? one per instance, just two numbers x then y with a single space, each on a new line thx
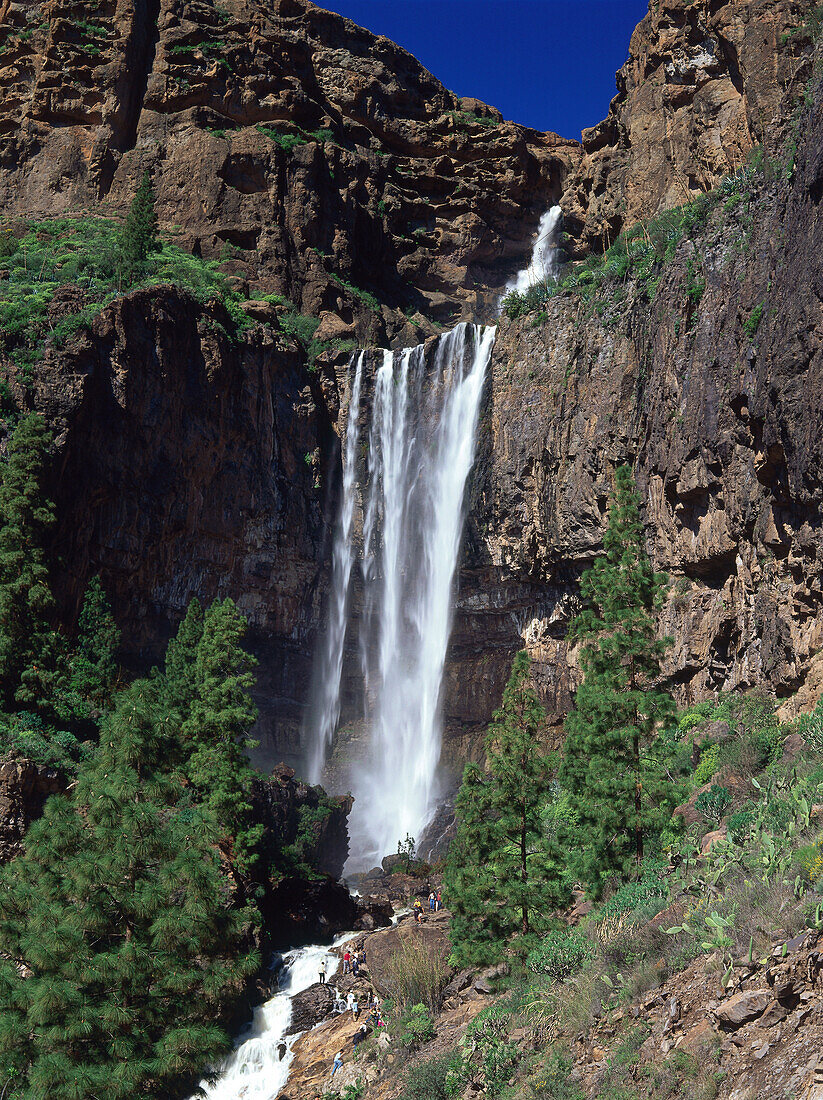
706 82
309 154
708 383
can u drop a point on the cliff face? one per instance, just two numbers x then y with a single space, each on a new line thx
711 386
306 150
182 471
705 82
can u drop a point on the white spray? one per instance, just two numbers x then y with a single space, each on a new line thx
421 449
543 263
326 711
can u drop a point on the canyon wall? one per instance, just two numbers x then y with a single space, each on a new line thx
309 154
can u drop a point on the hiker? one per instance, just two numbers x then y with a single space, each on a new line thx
355 1009
322 971
418 911
338 1062
359 1035
432 901
347 961
439 901
355 964
349 1001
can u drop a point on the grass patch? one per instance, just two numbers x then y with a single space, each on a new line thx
289 140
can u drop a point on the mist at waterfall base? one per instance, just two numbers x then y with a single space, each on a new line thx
256 1065
401 521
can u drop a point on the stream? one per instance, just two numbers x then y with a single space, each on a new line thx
255 1071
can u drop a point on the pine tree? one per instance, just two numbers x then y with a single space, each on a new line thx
139 237
93 664
118 943
502 873
30 650
179 685
611 761
215 698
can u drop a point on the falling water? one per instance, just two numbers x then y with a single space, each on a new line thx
421 443
327 694
543 263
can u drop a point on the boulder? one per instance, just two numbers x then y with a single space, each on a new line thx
742 1008
430 938
792 747
311 1006
712 838
333 327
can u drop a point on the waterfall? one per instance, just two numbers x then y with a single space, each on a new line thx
326 709
542 265
421 440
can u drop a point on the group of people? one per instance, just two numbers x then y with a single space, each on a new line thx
435 905
352 961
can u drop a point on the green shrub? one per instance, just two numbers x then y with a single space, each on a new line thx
740 824
26 735
640 895
487 1049
284 139
560 954
713 803
416 1026
438 1079
707 765
752 322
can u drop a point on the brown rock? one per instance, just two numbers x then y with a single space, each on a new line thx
793 745
742 1008
24 788
333 327
702 86
712 838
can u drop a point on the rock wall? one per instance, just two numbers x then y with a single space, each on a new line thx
706 81
24 788
306 150
181 470
711 386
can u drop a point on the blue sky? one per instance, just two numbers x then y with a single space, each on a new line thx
546 63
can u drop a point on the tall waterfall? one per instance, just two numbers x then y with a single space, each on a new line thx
543 262
421 445
327 679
